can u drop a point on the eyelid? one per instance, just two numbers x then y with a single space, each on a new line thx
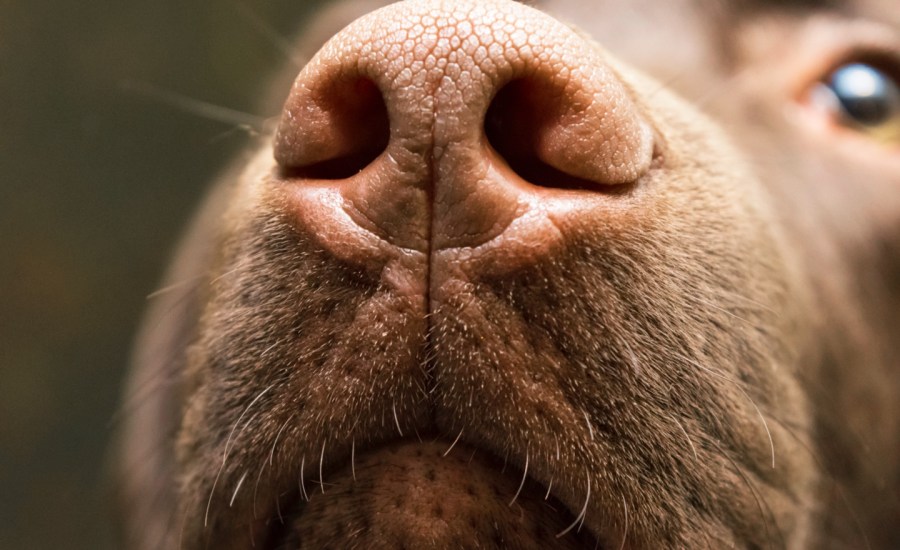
831 43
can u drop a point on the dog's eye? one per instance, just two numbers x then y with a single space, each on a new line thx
863 97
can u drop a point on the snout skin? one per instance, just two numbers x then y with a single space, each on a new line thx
489 285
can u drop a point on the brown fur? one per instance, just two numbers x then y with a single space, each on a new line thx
708 359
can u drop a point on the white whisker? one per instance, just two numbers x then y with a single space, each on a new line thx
237 488
225 452
209 500
625 529
175 286
246 409
203 109
521 483
396 419
278 509
635 364
747 395
256 488
281 44
581 514
277 435
725 311
453 444
321 460
686 436
587 420
353 458
303 493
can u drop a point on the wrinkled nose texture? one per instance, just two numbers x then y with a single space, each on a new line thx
465 131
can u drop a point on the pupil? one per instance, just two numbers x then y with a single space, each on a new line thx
866 95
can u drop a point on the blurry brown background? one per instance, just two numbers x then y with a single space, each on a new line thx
96 182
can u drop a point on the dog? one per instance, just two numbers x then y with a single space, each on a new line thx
619 274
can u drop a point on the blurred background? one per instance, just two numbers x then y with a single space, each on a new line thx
99 171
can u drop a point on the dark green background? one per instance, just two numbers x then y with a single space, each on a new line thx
95 184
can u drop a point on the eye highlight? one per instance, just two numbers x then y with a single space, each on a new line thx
863 97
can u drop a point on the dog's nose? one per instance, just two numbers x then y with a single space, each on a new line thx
438 125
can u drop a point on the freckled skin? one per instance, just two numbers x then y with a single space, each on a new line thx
489 284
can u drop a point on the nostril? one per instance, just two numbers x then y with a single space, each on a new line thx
582 132
335 132
516 119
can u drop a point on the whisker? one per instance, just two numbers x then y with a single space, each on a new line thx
686 436
765 425
184 518
225 453
521 483
725 311
717 91
237 488
751 301
278 509
196 107
625 530
262 469
228 273
453 444
764 510
321 460
209 501
169 375
275 38
842 495
472 456
165 376
581 514
635 364
303 493
241 417
396 419
353 458
670 82
739 388
175 286
277 435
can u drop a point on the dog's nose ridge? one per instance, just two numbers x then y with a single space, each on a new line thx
440 122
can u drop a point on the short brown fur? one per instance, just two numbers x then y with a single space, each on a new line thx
730 335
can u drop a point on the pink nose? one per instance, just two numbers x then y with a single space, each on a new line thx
445 125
